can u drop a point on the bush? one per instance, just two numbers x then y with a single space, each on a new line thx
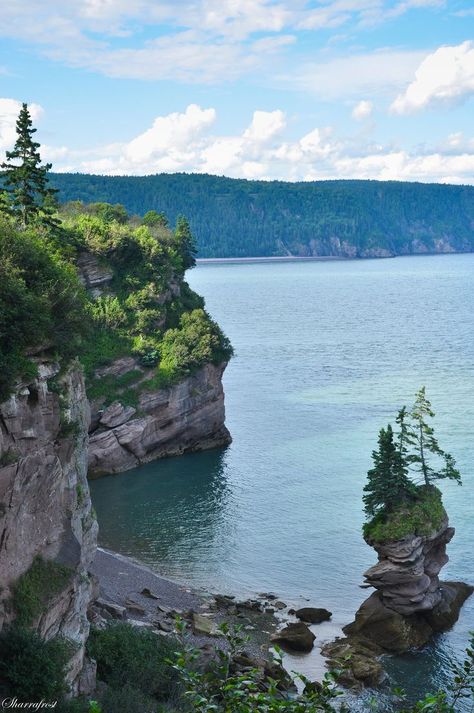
30 668
135 657
36 587
198 341
127 699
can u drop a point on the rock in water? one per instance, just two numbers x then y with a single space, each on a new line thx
295 636
313 615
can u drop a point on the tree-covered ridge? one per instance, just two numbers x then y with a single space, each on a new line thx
240 218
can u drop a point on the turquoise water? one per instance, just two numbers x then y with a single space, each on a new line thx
325 354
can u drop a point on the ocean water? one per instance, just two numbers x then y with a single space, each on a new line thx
325 354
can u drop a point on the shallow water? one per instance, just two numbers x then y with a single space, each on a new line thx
325 354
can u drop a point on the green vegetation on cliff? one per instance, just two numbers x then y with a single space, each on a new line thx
240 218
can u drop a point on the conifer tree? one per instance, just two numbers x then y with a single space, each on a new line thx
388 483
420 435
186 242
26 182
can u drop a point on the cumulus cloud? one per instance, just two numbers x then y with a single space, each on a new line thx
187 141
362 110
444 76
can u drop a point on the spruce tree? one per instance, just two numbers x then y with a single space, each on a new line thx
420 435
388 483
26 181
186 242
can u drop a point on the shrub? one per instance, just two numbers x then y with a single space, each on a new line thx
36 587
127 699
136 657
31 668
198 341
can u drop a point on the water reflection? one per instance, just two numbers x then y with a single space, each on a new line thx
172 514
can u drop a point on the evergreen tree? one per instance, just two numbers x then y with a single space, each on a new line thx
388 481
186 242
420 435
26 179
154 219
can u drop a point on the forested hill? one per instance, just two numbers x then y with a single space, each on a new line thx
239 218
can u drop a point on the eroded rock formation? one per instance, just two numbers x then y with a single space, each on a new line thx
410 603
186 417
45 508
406 575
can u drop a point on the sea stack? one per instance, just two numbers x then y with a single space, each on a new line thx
410 603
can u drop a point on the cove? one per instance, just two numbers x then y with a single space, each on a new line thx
326 352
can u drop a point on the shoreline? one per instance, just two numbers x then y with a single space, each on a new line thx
121 581
317 258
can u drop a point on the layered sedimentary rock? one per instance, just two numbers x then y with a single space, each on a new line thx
182 418
45 508
406 574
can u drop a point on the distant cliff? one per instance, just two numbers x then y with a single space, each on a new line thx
240 218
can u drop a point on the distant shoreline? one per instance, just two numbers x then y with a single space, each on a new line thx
279 258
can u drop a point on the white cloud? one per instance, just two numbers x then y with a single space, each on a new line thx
444 76
362 110
382 71
9 110
187 141
184 40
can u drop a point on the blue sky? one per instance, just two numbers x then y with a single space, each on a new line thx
287 89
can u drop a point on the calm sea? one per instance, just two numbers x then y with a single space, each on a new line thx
325 354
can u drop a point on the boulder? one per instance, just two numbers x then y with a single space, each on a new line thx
203 625
116 415
297 637
313 615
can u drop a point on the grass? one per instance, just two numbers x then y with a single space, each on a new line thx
420 516
114 388
36 587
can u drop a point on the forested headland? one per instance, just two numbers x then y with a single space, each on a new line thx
240 218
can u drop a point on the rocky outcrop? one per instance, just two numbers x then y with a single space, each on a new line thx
406 574
45 508
183 418
296 637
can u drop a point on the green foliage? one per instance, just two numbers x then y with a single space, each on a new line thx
422 514
393 501
220 689
197 341
153 219
36 587
107 311
240 218
138 656
29 197
41 304
420 435
30 668
388 484
186 242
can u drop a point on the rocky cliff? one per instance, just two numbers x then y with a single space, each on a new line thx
45 508
188 416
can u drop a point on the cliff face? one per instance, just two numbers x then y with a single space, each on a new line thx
186 417
45 507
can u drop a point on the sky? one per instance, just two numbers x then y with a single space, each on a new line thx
258 89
